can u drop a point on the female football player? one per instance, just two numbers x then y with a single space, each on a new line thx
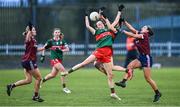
103 52
57 46
115 25
144 60
29 64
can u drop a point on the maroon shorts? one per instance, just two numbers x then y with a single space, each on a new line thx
29 65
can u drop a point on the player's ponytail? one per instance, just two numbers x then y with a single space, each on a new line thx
26 31
61 36
150 31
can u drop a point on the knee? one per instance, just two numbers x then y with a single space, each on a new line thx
39 78
97 65
148 79
129 67
28 81
63 69
110 76
53 75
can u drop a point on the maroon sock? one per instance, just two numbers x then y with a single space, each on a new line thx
112 90
36 94
64 85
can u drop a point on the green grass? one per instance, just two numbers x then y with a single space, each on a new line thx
89 88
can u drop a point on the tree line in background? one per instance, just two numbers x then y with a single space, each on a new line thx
70 18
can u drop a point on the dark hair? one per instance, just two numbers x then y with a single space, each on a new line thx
150 31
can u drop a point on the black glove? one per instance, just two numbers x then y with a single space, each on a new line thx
121 7
30 25
102 8
86 12
121 20
101 11
42 58
103 14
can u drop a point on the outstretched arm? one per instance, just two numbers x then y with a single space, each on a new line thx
66 49
110 26
91 29
136 35
130 27
46 46
116 21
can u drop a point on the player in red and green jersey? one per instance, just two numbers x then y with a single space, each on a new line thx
57 46
115 25
103 53
144 60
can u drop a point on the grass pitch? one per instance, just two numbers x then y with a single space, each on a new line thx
89 88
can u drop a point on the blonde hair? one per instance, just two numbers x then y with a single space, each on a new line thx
56 29
61 35
26 31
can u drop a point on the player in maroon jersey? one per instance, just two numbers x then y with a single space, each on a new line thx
29 64
144 60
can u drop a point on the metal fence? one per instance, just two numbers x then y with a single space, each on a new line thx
157 49
163 17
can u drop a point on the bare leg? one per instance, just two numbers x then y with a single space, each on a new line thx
132 65
27 80
100 67
37 75
116 67
152 83
90 59
147 76
108 68
51 75
61 68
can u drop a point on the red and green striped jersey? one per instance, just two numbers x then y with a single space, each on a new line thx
103 38
55 48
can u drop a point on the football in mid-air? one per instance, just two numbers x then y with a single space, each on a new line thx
94 16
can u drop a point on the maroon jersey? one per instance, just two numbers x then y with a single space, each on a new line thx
30 50
143 44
